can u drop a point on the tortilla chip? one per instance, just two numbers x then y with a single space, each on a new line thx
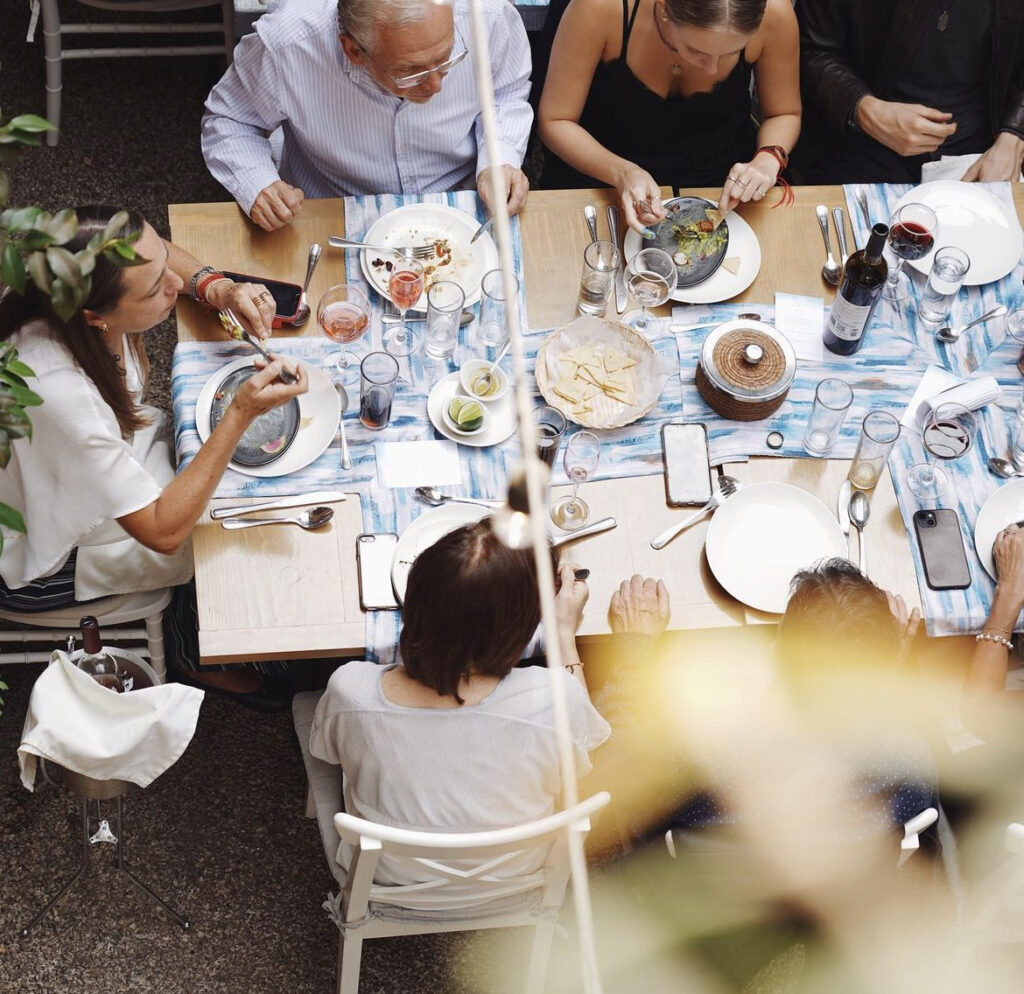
732 264
714 215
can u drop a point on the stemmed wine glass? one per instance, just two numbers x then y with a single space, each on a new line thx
948 434
405 287
344 316
581 456
912 231
651 279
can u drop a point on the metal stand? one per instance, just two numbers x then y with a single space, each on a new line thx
103 834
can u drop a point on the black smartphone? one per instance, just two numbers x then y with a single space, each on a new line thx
287 296
942 549
687 468
374 556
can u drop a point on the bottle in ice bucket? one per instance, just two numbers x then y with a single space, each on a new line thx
95 660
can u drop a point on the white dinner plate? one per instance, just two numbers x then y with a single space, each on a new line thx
319 411
973 220
423 533
721 285
763 535
416 224
1003 508
501 425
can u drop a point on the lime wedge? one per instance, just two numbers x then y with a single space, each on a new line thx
454 407
468 413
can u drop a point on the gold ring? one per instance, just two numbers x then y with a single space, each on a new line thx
264 296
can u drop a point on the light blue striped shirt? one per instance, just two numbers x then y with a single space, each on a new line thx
343 133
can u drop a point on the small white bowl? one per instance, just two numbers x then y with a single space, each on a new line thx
471 369
450 421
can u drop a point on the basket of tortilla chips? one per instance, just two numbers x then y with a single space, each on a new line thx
600 374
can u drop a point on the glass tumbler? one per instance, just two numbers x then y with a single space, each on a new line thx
493 328
445 300
878 434
832 399
949 269
551 426
378 377
600 263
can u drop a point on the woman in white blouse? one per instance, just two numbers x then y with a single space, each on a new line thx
105 513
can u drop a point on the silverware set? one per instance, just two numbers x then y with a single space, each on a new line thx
727 486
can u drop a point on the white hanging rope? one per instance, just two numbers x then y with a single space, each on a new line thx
536 482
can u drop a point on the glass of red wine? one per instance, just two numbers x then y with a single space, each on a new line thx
912 231
405 287
344 316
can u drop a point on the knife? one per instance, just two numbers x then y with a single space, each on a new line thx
843 512
620 276
299 500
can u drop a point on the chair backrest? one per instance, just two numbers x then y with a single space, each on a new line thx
464 868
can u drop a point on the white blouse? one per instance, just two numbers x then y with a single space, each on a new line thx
76 475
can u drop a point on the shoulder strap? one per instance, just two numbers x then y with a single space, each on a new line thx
628 19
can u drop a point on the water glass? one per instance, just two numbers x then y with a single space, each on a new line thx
832 399
493 328
600 263
949 269
878 434
1015 330
1017 435
445 300
550 429
378 377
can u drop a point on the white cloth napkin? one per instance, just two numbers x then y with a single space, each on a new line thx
948 167
972 394
76 723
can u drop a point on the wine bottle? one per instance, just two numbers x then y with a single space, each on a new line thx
859 291
95 660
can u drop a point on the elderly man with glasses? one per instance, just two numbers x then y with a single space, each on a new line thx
393 108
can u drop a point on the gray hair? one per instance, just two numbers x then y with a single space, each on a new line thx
360 19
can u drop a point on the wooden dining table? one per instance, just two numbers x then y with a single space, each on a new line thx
281 593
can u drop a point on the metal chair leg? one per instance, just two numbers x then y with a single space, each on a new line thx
83 869
122 865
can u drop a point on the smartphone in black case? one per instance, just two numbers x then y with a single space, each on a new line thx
687 468
942 549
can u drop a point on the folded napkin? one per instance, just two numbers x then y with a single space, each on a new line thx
972 394
948 167
76 723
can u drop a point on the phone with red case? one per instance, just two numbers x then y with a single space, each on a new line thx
287 296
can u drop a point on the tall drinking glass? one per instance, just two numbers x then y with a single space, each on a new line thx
378 378
493 329
600 263
832 399
651 279
581 457
949 269
878 434
912 231
550 429
405 286
344 316
444 312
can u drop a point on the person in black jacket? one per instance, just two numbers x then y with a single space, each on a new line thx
888 86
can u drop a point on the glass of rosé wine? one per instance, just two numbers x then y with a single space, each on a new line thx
405 287
344 316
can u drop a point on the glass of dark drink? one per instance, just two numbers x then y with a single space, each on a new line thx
378 376
550 429
949 431
405 287
912 231
344 316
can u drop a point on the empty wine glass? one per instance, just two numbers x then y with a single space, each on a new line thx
927 482
651 279
405 286
912 231
344 316
581 456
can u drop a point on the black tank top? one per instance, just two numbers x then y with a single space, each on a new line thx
681 141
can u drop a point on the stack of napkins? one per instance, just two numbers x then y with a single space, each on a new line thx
938 386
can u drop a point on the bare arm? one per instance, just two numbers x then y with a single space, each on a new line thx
168 521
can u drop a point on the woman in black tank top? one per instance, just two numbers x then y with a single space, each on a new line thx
645 93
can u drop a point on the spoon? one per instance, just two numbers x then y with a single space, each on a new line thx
949 334
434 497
315 517
590 214
1004 468
860 511
302 315
489 372
346 459
831 271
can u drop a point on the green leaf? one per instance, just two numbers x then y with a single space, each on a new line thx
10 518
7 399
86 260
20 218
16 423
124 250
12 269
16 366
5 189
63 226
64 267
62 298
30 122
5 450
114 225
20 392
40 272
35 239
25 137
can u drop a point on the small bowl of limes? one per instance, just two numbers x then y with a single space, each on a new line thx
466 415
477 384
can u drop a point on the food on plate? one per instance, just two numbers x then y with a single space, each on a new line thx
697 240
731 264
234 330
587 371
442 257
467 415
275 444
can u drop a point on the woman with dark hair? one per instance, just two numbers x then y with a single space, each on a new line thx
645 93
457 734
95 484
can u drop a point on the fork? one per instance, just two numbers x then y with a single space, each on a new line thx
286 375
415 251
728 485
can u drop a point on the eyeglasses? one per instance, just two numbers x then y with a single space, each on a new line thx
414 79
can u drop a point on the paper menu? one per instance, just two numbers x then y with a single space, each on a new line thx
418 464
802 321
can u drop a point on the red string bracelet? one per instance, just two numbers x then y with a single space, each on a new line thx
780 156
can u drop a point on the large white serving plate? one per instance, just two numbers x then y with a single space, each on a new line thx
423 533
722 285
319 411
763 535
417 224
973 220
1003 508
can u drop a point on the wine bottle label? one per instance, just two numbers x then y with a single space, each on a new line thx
847 320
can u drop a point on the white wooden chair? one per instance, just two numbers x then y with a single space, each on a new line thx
54 627
54 31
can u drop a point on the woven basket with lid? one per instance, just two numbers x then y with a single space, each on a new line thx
745 370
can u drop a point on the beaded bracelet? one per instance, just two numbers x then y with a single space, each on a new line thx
193 283
989 637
